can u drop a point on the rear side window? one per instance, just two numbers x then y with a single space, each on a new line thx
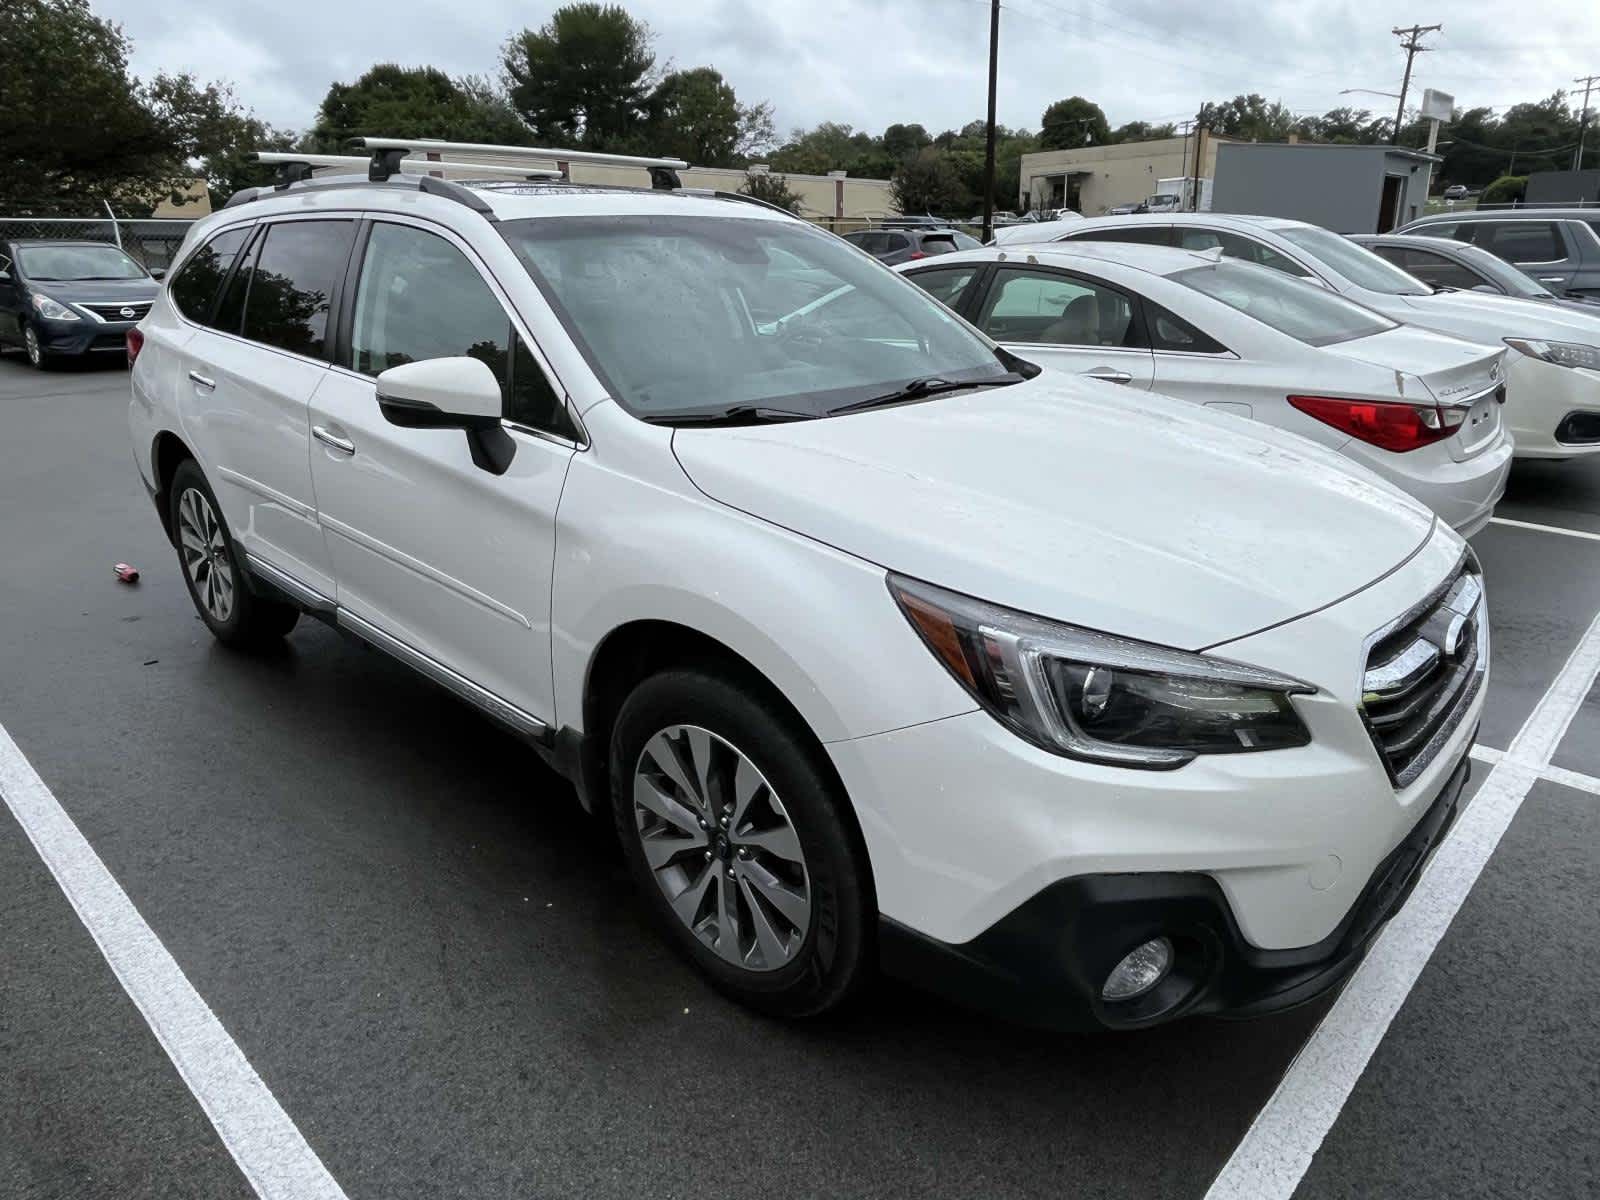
1431 268
419 297
1172 333
1522 241
195 287
291 285
1237 246
945 284
1144 235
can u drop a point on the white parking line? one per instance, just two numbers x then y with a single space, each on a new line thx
1562 529
1274 1154
253 1126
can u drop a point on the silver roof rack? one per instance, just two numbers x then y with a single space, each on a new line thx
387 153
408 166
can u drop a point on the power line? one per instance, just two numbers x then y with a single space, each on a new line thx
1411 40
1588 82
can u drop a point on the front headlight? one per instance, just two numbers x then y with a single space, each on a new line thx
52 310
1093 696
1563 354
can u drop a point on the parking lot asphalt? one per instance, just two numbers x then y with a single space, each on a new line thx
434 962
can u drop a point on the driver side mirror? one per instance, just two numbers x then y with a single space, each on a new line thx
158 272
450 393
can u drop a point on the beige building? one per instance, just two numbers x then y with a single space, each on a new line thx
1093 179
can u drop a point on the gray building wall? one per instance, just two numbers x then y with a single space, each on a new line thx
1563 187
1338 187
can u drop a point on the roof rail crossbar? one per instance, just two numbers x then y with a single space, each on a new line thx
427 184
408 166
663 171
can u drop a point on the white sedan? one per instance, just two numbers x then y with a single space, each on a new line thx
1421 409
1553 379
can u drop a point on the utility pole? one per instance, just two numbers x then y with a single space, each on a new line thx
1411 42
988 142
1588 82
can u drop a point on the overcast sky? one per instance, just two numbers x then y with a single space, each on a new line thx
872 62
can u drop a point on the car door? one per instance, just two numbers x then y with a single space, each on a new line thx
430 550
1541 248
10 302
1069 321
249 376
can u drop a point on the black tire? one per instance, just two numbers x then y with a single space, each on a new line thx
838 949
36 356
250 621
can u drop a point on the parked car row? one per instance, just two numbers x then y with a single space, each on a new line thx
1552 375
883 640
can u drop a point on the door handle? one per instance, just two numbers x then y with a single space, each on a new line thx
342 445
1109 375
201 381
1552 279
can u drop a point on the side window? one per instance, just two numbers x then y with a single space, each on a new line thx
944 284
291 287
419 298
1443 230
1435 269
873 242
893 243
230 308
1172 333
1050 309
195 287
1523 241
1144 235
1237 246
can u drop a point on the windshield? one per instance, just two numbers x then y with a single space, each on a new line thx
1304 311
1513 281
685 315
1356 263
77 262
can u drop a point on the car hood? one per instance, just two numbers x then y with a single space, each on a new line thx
97 291
1481 317
1451 368
1129 513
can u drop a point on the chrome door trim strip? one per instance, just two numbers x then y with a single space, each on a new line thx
504 711
283 581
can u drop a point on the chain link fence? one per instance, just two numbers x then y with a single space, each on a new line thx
153 242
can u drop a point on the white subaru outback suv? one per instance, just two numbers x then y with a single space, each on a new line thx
878 644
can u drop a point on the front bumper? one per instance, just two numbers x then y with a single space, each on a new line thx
1044 964
61 339
1545 401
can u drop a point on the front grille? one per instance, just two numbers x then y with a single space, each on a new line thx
114 312
1423 671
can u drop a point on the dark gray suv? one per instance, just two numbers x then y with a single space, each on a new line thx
894 246
1560 247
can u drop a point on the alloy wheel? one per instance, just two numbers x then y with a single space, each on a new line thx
721 846
30 339
205 553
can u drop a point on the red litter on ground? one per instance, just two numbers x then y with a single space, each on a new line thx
127 574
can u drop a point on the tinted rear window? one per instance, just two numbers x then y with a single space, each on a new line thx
1522 241
1302 310
291 288
195 287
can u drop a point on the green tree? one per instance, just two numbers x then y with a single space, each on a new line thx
1071 123
928 183
1143 131
209 127
424 102
832 147
583 78
695 116
1505 189
774 189
1250 117
900 141
76 130
1348 126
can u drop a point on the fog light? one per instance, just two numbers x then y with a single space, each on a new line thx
1144 967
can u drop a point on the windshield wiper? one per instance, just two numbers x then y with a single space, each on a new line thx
928 385
738 414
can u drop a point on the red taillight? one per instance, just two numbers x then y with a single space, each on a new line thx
1384 424
135 341
916 254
